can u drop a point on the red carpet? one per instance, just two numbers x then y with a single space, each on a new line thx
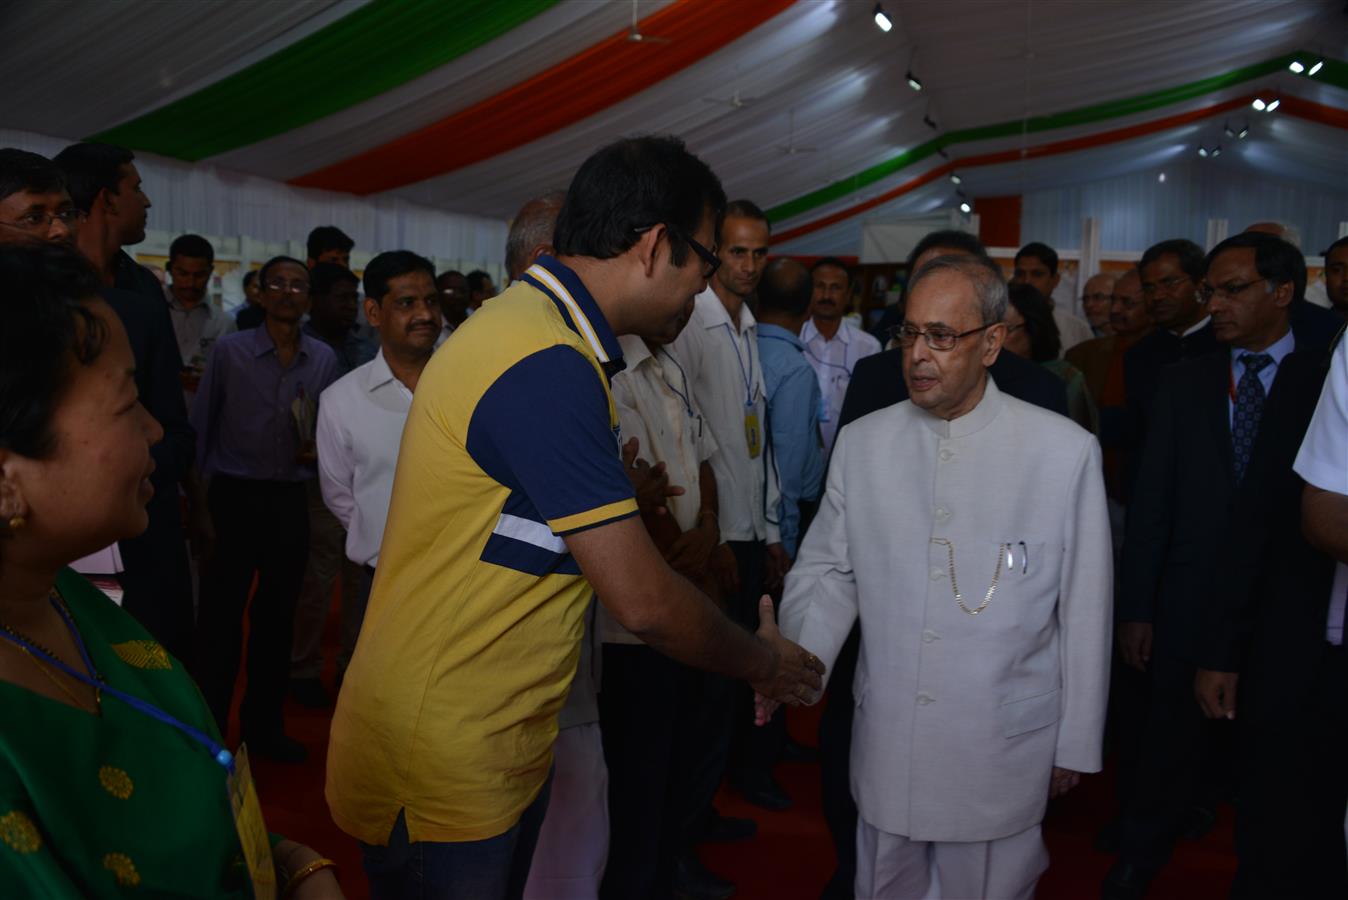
792 857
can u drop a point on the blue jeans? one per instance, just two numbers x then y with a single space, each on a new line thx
492 869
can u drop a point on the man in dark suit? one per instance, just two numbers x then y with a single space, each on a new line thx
877 382
1205 431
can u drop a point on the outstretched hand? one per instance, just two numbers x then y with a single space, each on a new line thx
797 676
651 483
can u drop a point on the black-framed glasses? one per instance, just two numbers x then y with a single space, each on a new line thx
37 221
705 254
1229 290
936 338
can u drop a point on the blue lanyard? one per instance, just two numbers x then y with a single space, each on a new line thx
750 394
681 394
824 362
218 752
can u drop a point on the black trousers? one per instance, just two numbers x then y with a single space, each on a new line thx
157 581
1184 760
638 712
835 766
754 749
1293 784
262 528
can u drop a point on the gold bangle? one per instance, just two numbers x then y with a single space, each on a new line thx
317 865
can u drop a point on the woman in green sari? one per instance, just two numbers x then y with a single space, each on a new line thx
112 779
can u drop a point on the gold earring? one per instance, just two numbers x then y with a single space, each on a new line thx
16 523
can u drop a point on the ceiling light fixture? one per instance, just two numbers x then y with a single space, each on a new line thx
1216 151
965 207
882 21
1244 132
1161 178
930 123
955 178
913 81
1202 151
1316 68
1226 129
1296 67
1259 104
1274 105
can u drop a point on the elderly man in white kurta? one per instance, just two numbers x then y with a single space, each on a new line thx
968 532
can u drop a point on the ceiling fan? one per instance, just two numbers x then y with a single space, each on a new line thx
734 101
634 32
790 148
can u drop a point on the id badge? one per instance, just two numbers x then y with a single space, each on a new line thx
753 434
252 830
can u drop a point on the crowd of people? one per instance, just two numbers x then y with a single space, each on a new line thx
563 523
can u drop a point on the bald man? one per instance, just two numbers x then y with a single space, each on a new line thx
1096 298
531 232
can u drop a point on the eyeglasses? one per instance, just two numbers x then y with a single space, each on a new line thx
1169 284
37 221
288 287
936 338
707 256
1229 290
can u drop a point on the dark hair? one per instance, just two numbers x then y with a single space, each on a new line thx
1045 341
42 290
90 168
1276 260
477 279
439 279
1341 242
248 278
533 226
746 209
193 246
328 237
387 266
835 263
1190 257
325 276
276 261
633 184
1042 252
785 288
951 239
24 171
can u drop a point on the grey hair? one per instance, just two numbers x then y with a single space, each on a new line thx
532 228
987 278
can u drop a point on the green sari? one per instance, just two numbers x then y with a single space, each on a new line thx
117 804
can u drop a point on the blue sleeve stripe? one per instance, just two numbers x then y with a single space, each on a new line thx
531 559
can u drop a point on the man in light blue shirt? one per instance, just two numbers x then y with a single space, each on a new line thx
794 400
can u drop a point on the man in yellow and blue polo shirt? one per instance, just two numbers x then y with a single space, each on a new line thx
510 506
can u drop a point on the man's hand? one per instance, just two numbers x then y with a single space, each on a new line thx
796 673
1216 693
1135 644
726 570
651 483
1063 781
692 551
775 567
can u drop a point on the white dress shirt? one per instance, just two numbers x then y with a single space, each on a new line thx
197 329
654 402
722 365
833 362
360 427
1323 462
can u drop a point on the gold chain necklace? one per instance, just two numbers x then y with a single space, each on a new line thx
1002 550
42 667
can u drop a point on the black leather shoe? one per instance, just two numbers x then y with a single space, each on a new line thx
795 752
692 881
727 830
760 790
310 693
1126 881
1198 821
280 748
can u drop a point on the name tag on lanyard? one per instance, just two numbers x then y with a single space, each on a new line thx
252 830
753 432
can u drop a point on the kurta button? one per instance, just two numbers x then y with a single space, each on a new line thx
924 699
947 456
928 636
937 574
942 513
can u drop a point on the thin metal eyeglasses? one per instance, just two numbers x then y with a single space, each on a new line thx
1229 290
936 338
291 287
36 221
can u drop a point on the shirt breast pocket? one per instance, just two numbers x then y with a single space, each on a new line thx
1013 583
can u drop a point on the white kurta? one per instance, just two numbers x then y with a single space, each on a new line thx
961 718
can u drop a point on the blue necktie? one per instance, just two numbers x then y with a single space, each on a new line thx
1249 409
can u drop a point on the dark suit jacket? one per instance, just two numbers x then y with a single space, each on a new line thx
157 580
877 382
1186 491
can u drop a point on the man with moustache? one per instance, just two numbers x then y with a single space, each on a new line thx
197 325
1096 298
361 417
983 605
833 346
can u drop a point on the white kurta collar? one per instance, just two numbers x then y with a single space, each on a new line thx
971 422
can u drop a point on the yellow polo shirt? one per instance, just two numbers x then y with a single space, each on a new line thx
470 640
